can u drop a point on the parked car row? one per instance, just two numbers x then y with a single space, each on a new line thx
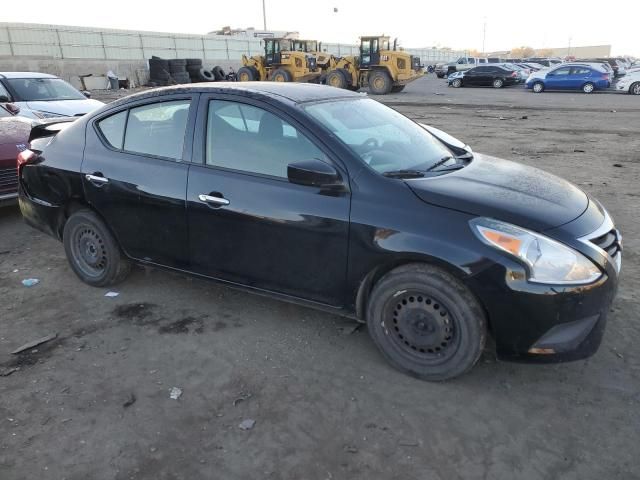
582 76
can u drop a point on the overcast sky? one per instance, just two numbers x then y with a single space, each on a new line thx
458 24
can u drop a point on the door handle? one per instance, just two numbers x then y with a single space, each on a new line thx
213 200
96 179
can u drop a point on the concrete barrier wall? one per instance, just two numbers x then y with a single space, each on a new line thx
70 51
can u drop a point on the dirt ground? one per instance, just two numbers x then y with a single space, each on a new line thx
95 402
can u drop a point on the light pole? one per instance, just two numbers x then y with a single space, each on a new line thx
484 33
264 16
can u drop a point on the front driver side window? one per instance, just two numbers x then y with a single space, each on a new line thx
251 139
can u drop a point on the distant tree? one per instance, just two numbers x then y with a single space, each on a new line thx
522 52
544 52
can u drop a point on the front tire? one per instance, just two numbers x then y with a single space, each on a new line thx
634 89
538 87
588 87
92 252
426 323
247 74
281 75
456 83
337 79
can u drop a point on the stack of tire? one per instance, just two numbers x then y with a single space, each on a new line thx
197 73
178 71
159 72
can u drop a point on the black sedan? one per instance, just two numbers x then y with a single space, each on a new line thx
325 197
494 76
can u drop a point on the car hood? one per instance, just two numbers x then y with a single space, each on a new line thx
507 191
539 74
69 108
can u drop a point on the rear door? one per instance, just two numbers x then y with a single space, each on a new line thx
247 223
578 76
135 176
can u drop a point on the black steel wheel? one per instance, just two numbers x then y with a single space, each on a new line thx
426 323
92 251
420 326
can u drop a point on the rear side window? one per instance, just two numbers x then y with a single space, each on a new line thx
158 129
112 128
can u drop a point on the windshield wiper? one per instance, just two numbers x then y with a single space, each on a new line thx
404 174
442 161
449 168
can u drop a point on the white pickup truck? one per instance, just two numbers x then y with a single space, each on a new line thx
461 64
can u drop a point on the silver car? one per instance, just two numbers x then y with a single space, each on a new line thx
40 95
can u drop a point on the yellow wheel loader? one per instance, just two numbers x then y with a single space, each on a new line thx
280 63
381 67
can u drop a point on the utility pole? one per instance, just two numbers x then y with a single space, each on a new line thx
484 34
264 16
569 48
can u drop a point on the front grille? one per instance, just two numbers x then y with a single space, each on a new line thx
610 242
8 180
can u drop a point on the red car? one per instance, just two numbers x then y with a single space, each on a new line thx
14 138
16 135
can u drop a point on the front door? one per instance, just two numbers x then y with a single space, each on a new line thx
247 223
135 177
557 79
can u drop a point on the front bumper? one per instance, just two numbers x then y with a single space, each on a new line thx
543 323
553 323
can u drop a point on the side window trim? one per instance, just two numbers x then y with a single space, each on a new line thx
187 148
200 134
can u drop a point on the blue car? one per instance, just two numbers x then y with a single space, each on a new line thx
585 77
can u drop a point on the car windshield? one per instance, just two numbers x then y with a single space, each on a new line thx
43 89
383 138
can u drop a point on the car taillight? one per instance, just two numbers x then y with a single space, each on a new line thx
25 157
605 76
514 74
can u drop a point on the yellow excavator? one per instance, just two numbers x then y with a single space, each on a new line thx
380 66
280 63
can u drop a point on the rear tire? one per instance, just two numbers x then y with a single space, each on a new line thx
538 87
634 89
336 78
281 75
498 83
588 87
426 323
92 251
380 82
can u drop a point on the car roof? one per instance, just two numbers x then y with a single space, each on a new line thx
294 92
25 75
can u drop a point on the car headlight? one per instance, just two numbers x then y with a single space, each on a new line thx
546 260
40 114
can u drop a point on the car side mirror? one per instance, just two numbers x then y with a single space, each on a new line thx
313 173
86 93
4 99
13 108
